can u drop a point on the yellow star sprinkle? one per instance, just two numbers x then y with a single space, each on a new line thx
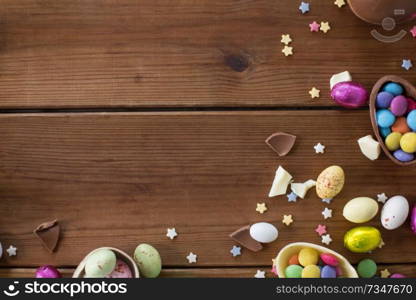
385 273
286 39
261 208
287 51
339 3
325 27
314 92
287 220
381 245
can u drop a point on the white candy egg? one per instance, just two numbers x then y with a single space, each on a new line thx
263 232
394 212
360 210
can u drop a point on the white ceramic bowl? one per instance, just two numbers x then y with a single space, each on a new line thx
288 251
79 271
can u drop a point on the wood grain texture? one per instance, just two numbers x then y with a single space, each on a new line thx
138 53
122 179
248 272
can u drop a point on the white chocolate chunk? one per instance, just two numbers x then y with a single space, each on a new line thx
369 147
340 77
280 182
300 189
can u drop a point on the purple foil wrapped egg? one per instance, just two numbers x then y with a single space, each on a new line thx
397 275
47 272
349 94
413 220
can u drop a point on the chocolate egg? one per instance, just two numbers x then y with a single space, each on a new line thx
360 210
121 270
362 239
350 94
148 260
330 182
394 212
413 220
100 263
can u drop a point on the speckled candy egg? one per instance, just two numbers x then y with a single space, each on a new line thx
360 210
100 263
394 212
121 270
148 260
349 94
263 232
362 239
330 182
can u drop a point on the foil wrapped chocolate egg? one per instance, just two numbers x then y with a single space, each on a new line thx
362 239
413 220
350 94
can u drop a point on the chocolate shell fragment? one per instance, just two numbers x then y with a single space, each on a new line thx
281 142
242 236
48 233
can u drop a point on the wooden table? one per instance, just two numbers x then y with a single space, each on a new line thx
122 118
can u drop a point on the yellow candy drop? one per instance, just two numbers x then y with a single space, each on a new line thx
393 141
408 142
308 256
362 239
311 271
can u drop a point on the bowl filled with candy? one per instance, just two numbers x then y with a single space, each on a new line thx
307 260
393 116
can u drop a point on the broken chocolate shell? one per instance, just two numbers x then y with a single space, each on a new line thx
48 233
281 142
242 236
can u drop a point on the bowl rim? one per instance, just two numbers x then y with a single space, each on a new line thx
79 271
410 91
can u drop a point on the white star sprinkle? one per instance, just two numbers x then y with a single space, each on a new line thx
235 251
260 274
327 200
191 257
326 239
382 198
319 148
171 233
327 213
382 244
12 250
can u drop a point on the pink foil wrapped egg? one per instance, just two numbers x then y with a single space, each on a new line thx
47 271
349 94
413 220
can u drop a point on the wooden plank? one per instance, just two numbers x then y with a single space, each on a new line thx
407 270
138 53
122 179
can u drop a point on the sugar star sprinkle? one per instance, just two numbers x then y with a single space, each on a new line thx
314 92
413 31
385 273
261 208
407 64
327 200
274 270
287 220
304 7
12 250
382 198
314 27
287 51
320 229
292 197
325 27
191 257
260 274
326 239
382 244
235 251
339 3
327 213
286 39
319 148
171 233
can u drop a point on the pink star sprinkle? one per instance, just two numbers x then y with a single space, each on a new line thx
314 26
274 271
413 31
321 229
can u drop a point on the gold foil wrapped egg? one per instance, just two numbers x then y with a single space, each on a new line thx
330 182
362 239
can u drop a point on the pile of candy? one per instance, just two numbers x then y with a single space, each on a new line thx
308 263
396 119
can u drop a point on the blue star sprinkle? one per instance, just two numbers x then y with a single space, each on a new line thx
235 251
304 7
327 200
407 64
292 197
